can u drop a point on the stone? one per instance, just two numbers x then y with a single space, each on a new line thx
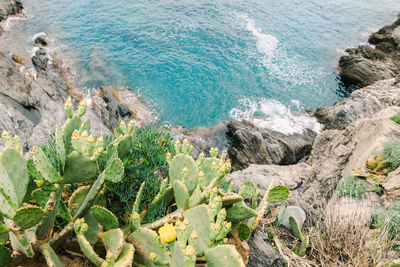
41 41
262 253
296 212
40 60
365 65
123 110
17 58
362 103
10 7
392 186
251 144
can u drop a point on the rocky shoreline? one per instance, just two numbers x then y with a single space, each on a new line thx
309 164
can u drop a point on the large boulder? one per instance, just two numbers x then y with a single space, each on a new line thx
360 104
251 144
365 65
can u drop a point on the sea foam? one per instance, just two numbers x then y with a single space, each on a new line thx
276 116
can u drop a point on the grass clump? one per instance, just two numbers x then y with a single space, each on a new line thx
389 219
146 161
351 187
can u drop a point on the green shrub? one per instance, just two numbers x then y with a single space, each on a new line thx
146 158
396 118
392 155
389 218
350 187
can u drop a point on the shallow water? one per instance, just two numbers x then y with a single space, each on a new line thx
203 62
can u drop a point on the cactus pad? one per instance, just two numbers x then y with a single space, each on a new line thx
176 166
79 168
181 194
197 217
178 256
244 231
113 241
125 258
105 217
17 171
61 154
28 217
44 167
278 194
295 228
210 168
248 189
20 242
77 198
7 188
114 171
231 199
50 256
5 256
147 241
239 212
223 255
69 127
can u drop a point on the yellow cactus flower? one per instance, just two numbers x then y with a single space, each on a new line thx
167 233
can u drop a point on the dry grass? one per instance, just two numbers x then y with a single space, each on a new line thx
343 237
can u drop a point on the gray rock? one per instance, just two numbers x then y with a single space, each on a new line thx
41 40
9 7
365 65
262 253
296 212
40 60
362 103
250 144
124 110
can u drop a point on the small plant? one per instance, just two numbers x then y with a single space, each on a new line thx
350 186
387 160
396 118
301 251
388 218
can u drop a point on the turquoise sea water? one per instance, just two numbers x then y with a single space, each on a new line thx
203 62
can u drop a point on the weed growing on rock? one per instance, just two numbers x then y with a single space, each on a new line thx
350 186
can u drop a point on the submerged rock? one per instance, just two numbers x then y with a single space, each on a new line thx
250 144
365 65
40 60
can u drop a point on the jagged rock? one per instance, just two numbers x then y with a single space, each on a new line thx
202 138
392 186
116 103
40 60
250 144
262 253
9 7
365 65
361 104
296 212
41 40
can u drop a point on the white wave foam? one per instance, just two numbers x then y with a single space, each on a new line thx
277 116
266 43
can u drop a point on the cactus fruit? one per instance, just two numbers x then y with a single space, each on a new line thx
223 255
105 217
50 256
181 194
69 108
167 233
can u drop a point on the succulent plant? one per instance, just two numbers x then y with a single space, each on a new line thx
297 232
